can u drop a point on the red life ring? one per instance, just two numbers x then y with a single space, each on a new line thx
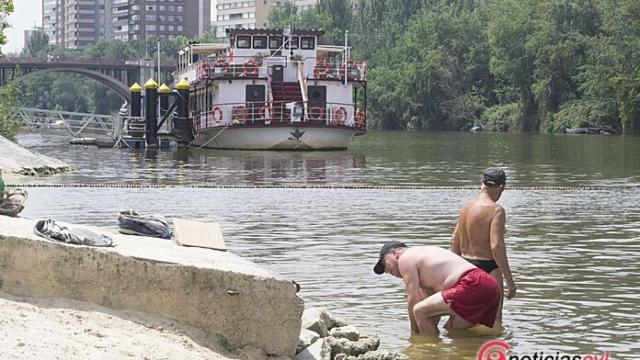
262 114
339 116
215 112
222 63
250 67
240 114
204 67
321 68
316 112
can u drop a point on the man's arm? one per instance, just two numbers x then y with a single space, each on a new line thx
414 296
454 245
499 249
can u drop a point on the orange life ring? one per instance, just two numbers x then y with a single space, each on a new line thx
321 68
262 114
222 63
240 114
339 116
316 112
250 67
215 112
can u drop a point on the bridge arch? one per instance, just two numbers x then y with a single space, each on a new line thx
107 80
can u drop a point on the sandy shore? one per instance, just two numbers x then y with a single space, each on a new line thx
66 329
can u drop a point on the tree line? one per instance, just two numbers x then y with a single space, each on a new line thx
506 65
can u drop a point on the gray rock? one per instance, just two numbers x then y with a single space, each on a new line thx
334 346
320 321
313 352
349 332
381 355
307 337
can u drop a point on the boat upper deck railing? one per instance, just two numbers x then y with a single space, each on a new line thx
248 114
260 67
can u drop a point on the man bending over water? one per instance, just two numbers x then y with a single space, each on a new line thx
439 282
479 234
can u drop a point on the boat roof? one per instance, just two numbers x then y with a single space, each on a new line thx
275 31
205 49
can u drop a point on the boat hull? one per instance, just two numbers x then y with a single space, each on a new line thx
276 138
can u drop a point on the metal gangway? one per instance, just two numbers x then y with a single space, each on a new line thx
77 125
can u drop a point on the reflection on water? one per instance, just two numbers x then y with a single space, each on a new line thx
376 158
575 255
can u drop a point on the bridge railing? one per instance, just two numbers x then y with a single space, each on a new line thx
72 123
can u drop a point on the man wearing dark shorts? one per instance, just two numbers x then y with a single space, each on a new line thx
479 234
439 282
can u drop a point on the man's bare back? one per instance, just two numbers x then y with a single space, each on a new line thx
474 229
437 268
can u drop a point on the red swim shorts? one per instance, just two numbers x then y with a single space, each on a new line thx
475 297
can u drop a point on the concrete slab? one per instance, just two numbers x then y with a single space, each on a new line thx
229 298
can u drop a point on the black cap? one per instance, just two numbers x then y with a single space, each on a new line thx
379 268
494 176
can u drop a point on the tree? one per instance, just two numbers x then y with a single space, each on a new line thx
37 44
6 9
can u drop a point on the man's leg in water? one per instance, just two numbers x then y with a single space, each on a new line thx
496 274
428 310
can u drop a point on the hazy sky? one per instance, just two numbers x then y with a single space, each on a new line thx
26 13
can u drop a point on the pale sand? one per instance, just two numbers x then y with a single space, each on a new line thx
67 329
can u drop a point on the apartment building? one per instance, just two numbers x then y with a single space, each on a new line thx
141 19
77 23
233 14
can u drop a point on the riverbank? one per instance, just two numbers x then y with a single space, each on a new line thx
237 305
64 328
15 160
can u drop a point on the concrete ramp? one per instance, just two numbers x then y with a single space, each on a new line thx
231 299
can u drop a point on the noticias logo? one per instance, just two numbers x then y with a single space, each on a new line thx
499 350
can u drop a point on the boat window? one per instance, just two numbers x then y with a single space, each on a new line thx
259 42
275 42
308 43
295 42
243 42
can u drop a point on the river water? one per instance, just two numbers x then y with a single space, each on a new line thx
575 254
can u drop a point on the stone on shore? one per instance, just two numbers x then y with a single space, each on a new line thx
334 346
320 321
14 159
313 352
349 332
307 337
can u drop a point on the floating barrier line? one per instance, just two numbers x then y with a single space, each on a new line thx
306 186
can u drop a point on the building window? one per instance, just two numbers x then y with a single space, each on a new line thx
259 42
295 42
243 42
308 43
275 42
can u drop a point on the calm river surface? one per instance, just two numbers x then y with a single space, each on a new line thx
575 254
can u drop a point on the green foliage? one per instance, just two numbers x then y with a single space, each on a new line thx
6 8
502 118
37 45
10 96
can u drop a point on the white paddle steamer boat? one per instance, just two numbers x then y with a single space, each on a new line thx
273 89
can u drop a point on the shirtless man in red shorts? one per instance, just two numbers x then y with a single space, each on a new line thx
439 282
